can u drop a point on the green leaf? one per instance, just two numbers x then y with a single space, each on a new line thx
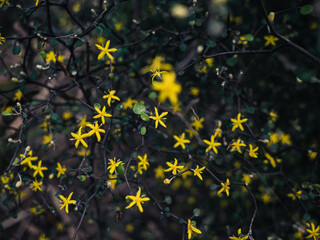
97 105
139 108
5 113
152 95
168 200
120 169
82 178
250 110
196 212
306 217
316 185
143 130
305 185
54 117
144 116
79 43
43 54
16 50
249 37
183 47
306 75
211 44
306 9
53 42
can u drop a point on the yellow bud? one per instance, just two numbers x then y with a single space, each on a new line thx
166 181
51 176
271 16
18 184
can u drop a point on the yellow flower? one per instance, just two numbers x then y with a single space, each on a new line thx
102 114
2 2
242 40
274 116
158 117
61 58
173 167
110 96
43 236
274 138
192 229
239 237
218 131
28 158
95 129
225 187
252 151
285 139
181 141
112 181
105 50
2 39
194 91
270 40
198 171
143 163
61 170
66 201
314 232
137 200
67 115
168 88
47 139
272 160
79 138
237 123
37 2
38 169
157 63
312 155
51 56
159 172
82 152
17 96
197 124
83 121
295 195
212 144
246 178
37 209
113 164
36 185
156 73
236 146
129 103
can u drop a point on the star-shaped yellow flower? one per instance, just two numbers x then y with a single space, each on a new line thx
192 229
113 165
236 146
168 88
173 167
198 171
143 162
79 138
36 185
102 114
237 123
181 141
212 144
270 40
239 236
314 232
51 56
197 124
110 96
158 117
66 201
28 158
225 187
95 130
61 170
252 151
105 50
38 169
137 200
129 103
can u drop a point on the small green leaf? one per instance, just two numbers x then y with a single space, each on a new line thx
97 105
250 110
16 50
82 178
144 116
305 184
316 185
183 47
120 169
211 44
43 54
53 42
306 217
54 117
168 200
79 43
143 130
5 113
152 95
249 37
196 212
306 9
139 108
